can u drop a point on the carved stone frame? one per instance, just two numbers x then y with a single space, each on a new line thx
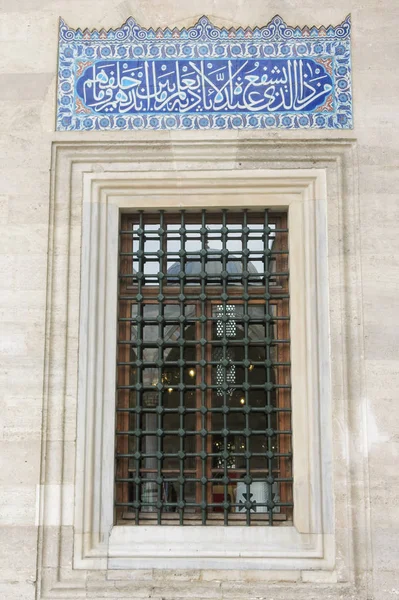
91 182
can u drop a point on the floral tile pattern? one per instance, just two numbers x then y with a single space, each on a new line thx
205 77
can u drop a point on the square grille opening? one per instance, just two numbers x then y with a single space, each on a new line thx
203 431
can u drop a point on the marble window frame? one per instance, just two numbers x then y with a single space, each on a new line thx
91 183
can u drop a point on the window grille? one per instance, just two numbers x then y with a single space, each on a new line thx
203 429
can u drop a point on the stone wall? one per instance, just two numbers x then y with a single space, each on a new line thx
28 36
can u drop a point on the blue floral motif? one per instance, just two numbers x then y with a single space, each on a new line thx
108 73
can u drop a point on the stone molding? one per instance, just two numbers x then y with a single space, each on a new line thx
82 169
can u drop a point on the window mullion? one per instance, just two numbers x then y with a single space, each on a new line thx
246 359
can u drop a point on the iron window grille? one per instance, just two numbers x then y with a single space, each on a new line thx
203 427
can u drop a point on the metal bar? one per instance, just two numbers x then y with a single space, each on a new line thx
221 357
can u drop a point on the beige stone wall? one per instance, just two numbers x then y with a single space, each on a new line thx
28 38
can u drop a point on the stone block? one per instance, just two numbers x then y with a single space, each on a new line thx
319 576
386 585
18 590
3 209
137 575
18 547
250 576
19 462
386 548
58 547
22 418
28 210
17 505
166 575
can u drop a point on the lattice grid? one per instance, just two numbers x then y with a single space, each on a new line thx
203 429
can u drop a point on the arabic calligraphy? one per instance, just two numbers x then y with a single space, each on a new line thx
205 77
204 86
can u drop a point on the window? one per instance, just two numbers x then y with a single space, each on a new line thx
203 427
83 301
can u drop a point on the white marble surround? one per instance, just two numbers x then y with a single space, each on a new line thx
99 180
310 542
